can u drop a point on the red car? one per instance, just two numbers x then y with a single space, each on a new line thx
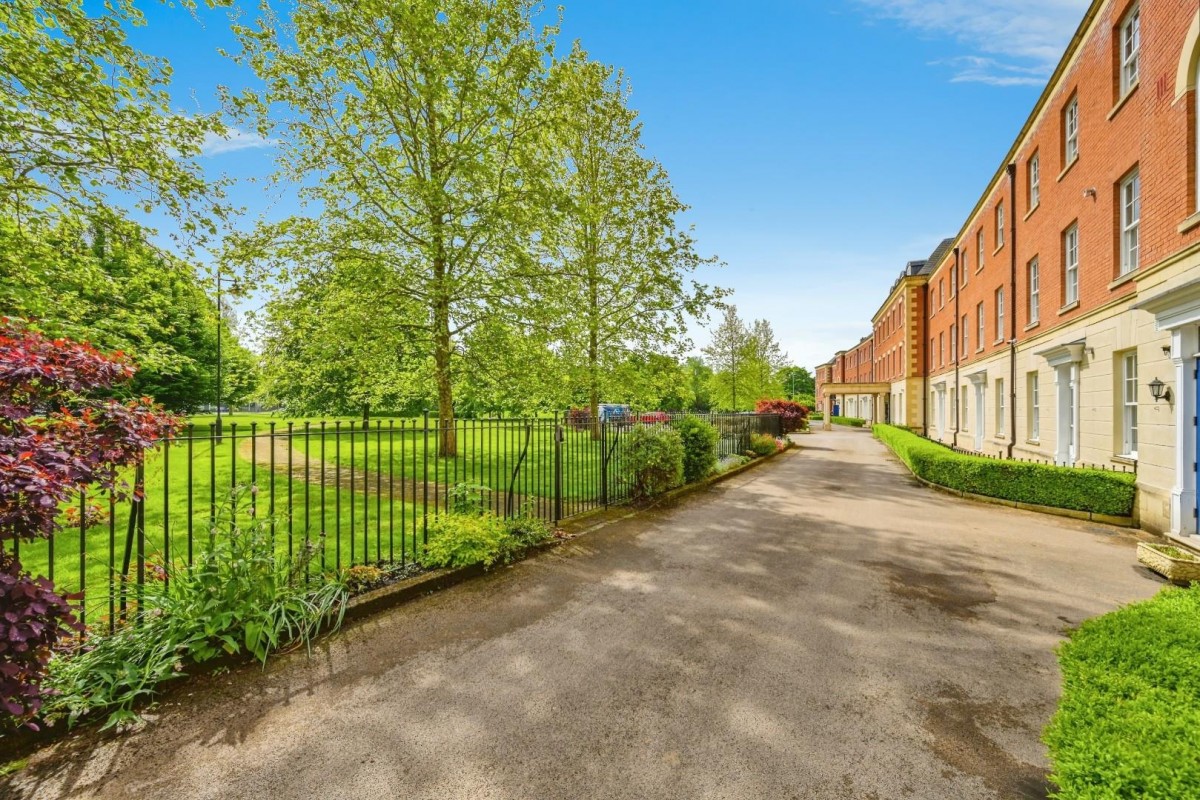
654 417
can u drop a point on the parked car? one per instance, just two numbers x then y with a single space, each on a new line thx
615 412
654 417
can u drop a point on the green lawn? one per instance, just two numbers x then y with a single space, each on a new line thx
371 503
357 527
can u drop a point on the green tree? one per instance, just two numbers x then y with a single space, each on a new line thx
700 385
797 382
621 261
415 130
115 290
727 355
86 122
764 359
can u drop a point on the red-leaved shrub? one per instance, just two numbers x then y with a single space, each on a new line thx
56 438
792 415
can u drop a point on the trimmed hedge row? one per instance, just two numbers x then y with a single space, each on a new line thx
1127 723
853 422
1091 490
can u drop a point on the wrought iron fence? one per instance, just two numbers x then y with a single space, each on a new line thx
1000 456
352 493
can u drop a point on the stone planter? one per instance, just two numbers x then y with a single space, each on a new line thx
1173 563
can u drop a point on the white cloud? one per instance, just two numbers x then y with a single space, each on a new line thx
234 139
1017 42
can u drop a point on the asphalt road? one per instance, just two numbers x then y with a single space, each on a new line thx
820 627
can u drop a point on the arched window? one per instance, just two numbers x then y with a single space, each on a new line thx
1187 79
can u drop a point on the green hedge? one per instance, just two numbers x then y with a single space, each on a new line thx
1129 717
853 422
1089 490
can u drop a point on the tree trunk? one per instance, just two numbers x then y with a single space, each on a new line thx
593 363
447 438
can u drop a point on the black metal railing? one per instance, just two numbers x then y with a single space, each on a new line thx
351 492
1000 456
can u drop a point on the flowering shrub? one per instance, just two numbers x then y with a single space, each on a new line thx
792 416
55 439
579 419
762 444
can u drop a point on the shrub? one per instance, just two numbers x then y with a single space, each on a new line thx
763 444
1130 709
45 458
528 530
853 422
460 540
792 416
236 597
467 498
1090 490
654 457
816 415
699 447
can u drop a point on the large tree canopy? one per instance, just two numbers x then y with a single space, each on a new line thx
87 129
619 263
416 131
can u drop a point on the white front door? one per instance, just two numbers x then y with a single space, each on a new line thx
980 395
1066 379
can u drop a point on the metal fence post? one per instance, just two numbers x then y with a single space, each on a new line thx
604 463
558 440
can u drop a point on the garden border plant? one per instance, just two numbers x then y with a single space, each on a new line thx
1127 720
1090 491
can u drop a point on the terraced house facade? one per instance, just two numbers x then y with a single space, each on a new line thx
1062 321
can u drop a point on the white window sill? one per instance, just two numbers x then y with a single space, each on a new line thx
1068 307
1121 103
1124 279
1189 223
1068 167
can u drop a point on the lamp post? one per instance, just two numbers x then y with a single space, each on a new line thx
219 321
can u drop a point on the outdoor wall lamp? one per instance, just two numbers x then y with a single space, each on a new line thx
1159 390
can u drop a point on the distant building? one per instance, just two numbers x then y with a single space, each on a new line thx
1062 321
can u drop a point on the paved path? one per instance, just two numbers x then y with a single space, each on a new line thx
821 627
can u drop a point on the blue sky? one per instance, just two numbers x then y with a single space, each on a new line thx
821 145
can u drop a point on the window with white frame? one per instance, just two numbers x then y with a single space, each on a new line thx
1131 46
1131 218
1035 290
1001 404
953 342
941 294
999 225
1033 424
1129 405
965 408
980 327
1034 176
1000 314
942 348
1071 265
1071 131
953 280
966 332
966 266
979 248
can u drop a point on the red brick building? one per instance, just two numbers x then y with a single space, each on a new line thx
1062 321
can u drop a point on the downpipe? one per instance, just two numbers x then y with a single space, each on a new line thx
1012 294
